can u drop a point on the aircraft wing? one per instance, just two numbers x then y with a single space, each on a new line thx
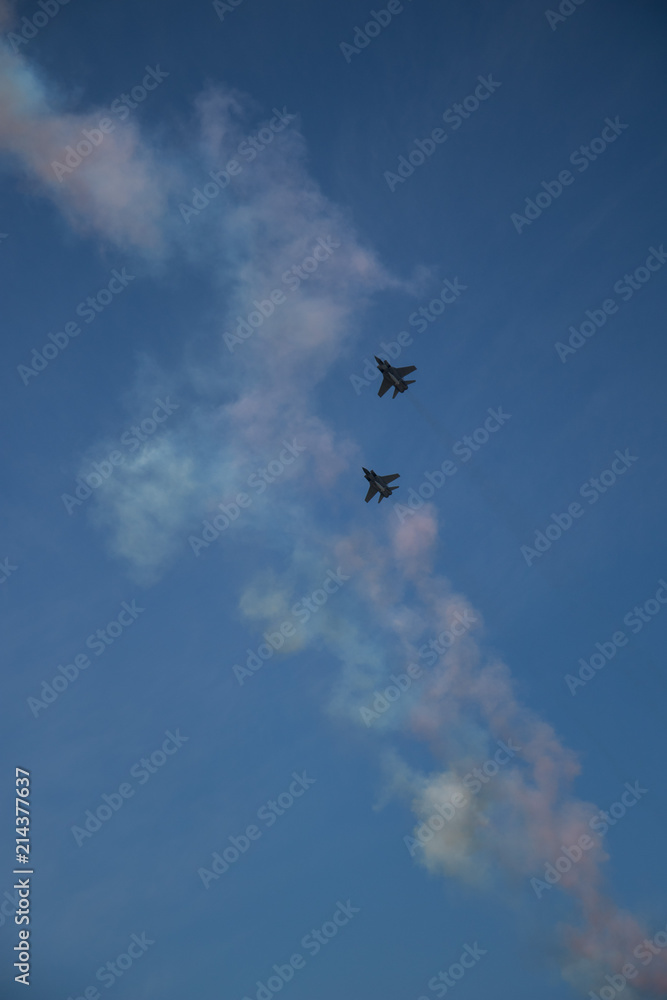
406 371
372 490
390 479
386 384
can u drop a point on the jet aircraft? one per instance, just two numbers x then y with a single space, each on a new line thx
379 485
393 378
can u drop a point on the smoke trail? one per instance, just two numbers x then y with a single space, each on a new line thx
466 702
117 191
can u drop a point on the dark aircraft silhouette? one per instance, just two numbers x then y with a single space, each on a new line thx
379 485
393 378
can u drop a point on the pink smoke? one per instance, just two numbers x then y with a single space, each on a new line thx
116 190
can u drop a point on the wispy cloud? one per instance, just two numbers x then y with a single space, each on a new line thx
118 193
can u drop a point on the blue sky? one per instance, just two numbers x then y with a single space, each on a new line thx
224 501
